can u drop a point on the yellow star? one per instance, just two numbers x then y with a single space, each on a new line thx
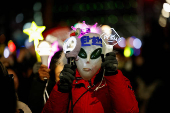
35 32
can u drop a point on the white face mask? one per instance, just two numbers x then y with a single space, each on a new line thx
89 61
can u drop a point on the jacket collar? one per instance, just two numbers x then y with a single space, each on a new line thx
93 81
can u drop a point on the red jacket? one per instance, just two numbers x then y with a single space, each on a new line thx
116 96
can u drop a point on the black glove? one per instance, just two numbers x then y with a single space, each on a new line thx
110 64
66 78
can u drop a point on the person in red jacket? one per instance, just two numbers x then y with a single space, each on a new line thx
95 86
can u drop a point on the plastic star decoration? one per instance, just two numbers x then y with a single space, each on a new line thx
35 34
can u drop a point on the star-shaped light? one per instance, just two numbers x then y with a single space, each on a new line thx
35 34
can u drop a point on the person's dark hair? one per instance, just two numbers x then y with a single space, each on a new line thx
8 95
53 64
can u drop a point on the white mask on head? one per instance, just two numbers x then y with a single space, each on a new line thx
89 61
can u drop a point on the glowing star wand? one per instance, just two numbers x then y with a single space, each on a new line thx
35 34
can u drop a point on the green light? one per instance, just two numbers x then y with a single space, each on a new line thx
119 5
102 19
88 6
134 4
134 18
91 7
113 19
106 7
75 7
94 6
128 52
100 6
82 7
126 18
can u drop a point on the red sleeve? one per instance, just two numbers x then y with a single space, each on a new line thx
122 95
57 102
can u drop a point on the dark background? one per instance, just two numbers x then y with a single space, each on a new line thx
139 18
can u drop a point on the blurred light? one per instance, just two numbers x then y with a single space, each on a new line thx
134 18
38 18
28 44
166 7
136 52
128 52
106 29
82 7
121 43
168 1
37 6
94 6
27 25
137 43
113 19
100 6
19 18
130 41
44 48
164 13
6 52
11 46
119 5
35 34
126 18
87 6
87 28
55 48
162 21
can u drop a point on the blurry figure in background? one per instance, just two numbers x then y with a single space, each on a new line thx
9 85
24 70
36 99
8 96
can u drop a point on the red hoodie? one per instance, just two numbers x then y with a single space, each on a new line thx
116 96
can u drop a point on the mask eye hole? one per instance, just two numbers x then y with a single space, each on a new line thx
96 53
82 53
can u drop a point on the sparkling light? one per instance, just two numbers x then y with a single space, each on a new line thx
137 43
35 34
55 48
44 48
121 43
28 44
106 29
11 46
166 7
86 28
19 18
128 52
136 52
164 13
6 52
162 21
